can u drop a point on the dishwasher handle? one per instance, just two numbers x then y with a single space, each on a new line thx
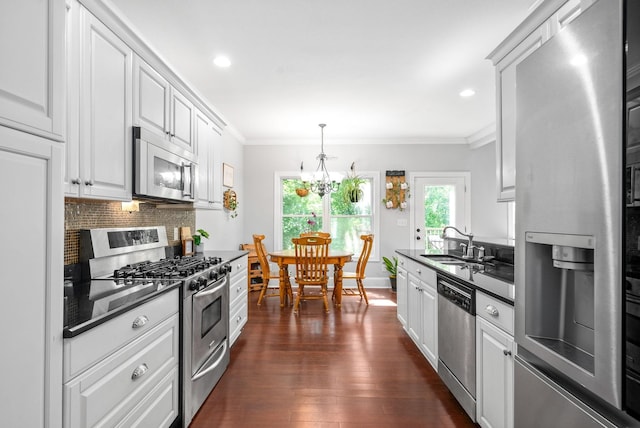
457 293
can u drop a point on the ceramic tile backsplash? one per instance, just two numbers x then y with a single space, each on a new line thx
89 214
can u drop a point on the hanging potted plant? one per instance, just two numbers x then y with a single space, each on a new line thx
350 188
392 267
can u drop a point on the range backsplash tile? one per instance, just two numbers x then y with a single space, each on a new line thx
92 214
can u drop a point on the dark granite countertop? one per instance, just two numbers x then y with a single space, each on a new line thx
96 301
483 279
226 255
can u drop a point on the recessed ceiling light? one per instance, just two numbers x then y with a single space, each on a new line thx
222 61
467 93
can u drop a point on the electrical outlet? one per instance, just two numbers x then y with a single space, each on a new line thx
176 236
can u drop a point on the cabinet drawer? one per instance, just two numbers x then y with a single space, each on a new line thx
238 290
424 273
237 320
239 266
158 409
495 311
105 394
82 351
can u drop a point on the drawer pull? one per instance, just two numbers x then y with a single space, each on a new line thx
492 310
139 371
506 352
140 321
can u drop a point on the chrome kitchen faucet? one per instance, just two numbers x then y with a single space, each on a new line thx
467 249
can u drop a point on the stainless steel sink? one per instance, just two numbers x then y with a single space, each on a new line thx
445 259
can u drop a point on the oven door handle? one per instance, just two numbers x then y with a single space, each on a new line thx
208 365
208 291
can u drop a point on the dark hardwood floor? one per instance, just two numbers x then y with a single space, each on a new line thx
349 368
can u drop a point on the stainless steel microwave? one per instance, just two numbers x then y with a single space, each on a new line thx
162 170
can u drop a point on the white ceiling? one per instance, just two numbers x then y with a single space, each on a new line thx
370 69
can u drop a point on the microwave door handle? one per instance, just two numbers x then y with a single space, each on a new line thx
190 185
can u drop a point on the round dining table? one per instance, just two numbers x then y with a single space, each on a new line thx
284 258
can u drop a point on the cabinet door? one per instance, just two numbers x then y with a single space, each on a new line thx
151 94
32 72
429 311
31 307
402 284
414 317
506 114
105 113
494 369
182 118
207 141
567 13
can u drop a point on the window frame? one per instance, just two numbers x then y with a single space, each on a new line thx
374 176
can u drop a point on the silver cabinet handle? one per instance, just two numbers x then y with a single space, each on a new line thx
506 352
239 319
139 371
239 289
76 181
140 321
89 182
419 270
492 310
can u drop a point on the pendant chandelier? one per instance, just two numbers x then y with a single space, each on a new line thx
321 183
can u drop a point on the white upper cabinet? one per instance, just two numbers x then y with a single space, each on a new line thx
99 162
150 99
208 140
182 117
547 20
506 112
161 108
32 71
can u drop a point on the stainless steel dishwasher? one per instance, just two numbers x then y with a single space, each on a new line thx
457 341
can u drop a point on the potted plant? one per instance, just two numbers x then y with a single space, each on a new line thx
197 239
392 267
350 188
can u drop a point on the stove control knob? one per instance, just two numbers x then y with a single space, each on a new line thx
213 274
193 285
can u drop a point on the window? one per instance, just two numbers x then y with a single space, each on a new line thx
345 220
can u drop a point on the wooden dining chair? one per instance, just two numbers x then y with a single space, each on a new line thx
321 234
359 274
311 254
265 291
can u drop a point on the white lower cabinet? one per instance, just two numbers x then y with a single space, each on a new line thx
494 363
238 298
402 288
136 383
422 319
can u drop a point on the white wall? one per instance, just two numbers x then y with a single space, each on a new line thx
226 233
260 162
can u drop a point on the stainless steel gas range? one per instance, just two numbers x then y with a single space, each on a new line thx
129 254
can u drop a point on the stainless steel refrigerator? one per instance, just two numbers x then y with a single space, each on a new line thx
570 209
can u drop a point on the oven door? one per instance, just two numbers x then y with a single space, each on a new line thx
210 322
163 171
